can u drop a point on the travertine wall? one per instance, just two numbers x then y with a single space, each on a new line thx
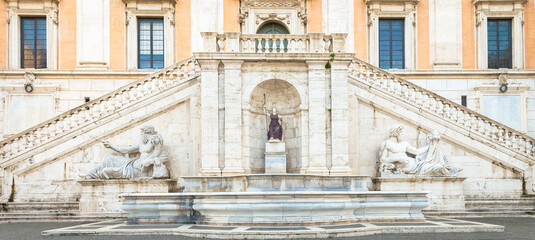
56 181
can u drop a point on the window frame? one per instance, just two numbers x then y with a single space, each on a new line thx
391 45
16 11
509 39
147 9
404 9
22 58
151 19
491 9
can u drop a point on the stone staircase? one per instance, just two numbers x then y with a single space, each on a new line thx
492 207
38 211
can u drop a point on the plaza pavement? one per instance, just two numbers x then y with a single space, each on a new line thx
515 228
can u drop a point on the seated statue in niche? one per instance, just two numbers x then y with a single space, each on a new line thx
399 158
149 164
275 128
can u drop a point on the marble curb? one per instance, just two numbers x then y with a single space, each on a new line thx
379 193
436 225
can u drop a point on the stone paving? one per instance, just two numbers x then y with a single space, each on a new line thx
431 225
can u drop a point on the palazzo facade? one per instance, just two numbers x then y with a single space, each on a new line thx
76 72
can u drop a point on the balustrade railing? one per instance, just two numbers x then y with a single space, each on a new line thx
98 108
444 108
274 43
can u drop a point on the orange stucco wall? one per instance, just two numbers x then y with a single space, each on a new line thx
423 34
360 29
117 35
67 34
314 16
183 29
231 10
469 35
529 31
3 35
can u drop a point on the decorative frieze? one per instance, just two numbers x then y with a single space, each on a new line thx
291 14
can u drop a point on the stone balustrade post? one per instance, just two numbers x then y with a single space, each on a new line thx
317 162
339 42
209 118
315 42
233 41
340 118
233 118
209 41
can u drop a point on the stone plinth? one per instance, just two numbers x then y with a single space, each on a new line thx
275 208
275 153
101 197
277 182
445 193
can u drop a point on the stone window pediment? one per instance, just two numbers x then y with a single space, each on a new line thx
292 14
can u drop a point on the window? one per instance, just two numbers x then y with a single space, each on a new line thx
33 42
270 46
150 43
391 44
500 52
272 28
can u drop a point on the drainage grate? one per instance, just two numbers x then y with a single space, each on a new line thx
212 228
343 226
277 229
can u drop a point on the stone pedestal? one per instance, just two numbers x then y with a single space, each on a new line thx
445 193
101 197
275 156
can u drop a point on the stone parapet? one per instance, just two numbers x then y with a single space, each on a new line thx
101 197
277 182
445 193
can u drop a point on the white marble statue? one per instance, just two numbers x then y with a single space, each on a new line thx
149 164
431 161
399 158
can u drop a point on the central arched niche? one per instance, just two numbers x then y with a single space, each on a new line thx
286 99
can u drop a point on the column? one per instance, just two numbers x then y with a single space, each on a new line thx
233 118
339 118
209 118
317 160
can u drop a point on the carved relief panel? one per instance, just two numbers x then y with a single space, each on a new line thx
290 13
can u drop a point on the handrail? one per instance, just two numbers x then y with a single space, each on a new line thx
97 108
471 120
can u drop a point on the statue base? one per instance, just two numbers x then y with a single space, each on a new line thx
101 197
445 193
275 161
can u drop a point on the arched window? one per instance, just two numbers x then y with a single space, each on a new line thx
268 46
272 28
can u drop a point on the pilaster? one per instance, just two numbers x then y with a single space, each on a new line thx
209 118
317 163
233 118
340 118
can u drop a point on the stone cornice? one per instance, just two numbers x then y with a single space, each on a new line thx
476 2
391 1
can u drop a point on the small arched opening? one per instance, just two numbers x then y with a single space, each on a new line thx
272 44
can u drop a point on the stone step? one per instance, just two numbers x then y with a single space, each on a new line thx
481 214
38 206
34 218
500 204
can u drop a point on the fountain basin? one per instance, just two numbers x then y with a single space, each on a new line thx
277 183
274 208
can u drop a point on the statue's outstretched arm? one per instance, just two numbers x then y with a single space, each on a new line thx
131 149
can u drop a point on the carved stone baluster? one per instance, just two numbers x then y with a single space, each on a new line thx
461 117
412 96
418 98
425 101
488 129
15 146
453 113
374 80
501 136
440 108
481 125
447 111
432 104
404 92
508 139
